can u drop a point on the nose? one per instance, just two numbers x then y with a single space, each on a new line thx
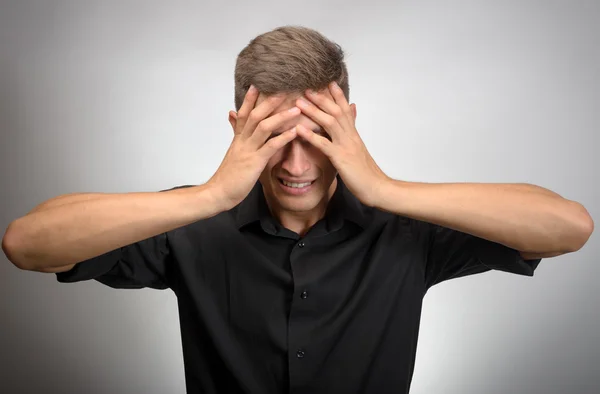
295 160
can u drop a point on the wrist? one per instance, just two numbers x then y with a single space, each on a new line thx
214 196
388 195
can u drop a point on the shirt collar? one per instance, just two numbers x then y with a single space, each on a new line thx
342 206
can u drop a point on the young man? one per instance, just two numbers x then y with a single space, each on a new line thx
299 266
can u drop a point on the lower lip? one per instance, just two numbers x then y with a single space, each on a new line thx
295 190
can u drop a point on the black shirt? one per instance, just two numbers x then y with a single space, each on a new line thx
263 310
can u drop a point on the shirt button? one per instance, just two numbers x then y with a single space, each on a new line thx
304 294
300 353
301 244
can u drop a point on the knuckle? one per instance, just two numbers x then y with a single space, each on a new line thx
260 128
329 121
274 145
254 117
242 114
271 144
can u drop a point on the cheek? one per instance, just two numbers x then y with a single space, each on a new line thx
321 158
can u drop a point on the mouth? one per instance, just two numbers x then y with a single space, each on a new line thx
296 188
296 184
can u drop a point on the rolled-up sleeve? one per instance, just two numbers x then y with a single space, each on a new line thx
141 264
453 254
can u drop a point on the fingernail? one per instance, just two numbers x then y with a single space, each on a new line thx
302 103
251 89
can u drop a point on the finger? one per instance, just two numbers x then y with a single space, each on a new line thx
247 105
329 105
328 122
320 142
270 126
340 99
276 143
260 112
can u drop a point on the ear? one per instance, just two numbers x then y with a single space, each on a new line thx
233 119
353 106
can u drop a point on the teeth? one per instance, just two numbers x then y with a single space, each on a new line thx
297 185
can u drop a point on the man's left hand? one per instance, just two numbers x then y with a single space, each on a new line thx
346 150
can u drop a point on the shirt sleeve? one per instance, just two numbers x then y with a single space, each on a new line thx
146 263
454 254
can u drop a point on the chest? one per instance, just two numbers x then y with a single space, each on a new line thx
261 283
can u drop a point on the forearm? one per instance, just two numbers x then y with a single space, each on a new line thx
66 199
521 216
70 229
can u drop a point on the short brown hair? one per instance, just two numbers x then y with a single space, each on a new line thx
289 59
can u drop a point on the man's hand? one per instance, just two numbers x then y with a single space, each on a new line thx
250 151
346 150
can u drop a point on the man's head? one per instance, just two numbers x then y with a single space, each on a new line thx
289 60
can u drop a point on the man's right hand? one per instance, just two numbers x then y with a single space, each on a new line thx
250 151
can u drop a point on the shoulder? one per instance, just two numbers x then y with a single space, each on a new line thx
401 225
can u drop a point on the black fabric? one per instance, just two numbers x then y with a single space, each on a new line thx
263 310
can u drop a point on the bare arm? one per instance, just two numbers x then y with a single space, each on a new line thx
68 229
73 228
527 218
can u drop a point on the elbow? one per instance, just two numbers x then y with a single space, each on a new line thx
11 248
588 229
584 227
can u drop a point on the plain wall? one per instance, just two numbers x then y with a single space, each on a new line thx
123 96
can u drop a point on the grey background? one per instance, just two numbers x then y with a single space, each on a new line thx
120 96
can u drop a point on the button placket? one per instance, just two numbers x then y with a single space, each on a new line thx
297 328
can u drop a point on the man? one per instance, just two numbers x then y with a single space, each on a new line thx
299 266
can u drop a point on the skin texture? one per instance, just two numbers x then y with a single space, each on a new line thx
298 160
